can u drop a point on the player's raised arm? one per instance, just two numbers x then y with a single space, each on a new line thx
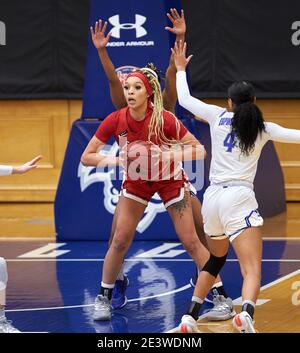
100 41
179 29
207 112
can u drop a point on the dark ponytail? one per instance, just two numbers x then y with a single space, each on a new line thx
247 121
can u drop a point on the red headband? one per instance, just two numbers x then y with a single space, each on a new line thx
144 79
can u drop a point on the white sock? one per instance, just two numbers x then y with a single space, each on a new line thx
217 285
2 314
248 302
197 299
107 285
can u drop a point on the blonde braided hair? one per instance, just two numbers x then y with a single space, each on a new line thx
156 126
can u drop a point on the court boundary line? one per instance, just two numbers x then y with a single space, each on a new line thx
136 260
266 286
178 290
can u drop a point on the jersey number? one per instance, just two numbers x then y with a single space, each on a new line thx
229 141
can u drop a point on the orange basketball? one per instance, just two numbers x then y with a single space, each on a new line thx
141 155
138 149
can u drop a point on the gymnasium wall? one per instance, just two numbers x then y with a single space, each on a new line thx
26 202
47 57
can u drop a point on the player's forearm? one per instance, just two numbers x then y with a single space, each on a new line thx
115 86
185 153
170 93
96 160
108 66
281 134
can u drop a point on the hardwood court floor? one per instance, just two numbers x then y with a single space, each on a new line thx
53 290
52 285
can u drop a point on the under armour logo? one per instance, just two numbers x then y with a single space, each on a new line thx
139 21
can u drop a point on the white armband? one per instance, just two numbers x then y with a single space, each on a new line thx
5 170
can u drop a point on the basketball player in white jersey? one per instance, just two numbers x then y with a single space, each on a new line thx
6 325
229 207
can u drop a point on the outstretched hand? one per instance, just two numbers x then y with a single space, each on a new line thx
178 22
99 38
179 56
27 166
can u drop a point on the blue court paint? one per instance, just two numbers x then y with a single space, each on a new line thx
74 280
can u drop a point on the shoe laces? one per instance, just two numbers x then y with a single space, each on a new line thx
220 303
101 303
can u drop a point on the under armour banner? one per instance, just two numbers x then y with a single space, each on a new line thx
138 37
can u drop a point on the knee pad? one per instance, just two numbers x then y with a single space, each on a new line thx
214 265
3 274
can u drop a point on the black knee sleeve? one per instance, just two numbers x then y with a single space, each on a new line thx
214 265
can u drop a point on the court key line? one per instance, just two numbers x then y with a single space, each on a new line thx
138 260
181 289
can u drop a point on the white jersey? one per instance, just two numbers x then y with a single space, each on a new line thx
228 164
5 170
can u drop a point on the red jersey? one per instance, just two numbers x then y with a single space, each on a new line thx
126 129
121 124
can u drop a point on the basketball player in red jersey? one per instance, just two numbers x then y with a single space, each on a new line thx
144 119
223 307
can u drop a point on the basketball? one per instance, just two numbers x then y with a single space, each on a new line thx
141 159
138 149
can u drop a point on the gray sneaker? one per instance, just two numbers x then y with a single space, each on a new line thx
222 310
7 327
102 309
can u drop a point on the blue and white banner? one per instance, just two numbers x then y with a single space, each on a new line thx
138 37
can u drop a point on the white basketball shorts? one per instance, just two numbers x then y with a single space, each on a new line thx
228 210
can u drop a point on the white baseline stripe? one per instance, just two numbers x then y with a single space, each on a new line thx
281 238
238 300
281 279
138 260
181 289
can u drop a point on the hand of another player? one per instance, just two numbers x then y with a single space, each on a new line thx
178 22
123 157
99 38
179 56
27 166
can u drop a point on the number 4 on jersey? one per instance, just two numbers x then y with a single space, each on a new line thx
229 141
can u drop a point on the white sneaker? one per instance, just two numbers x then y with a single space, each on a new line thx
222 310
188 325
7 327
243 323
102 311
